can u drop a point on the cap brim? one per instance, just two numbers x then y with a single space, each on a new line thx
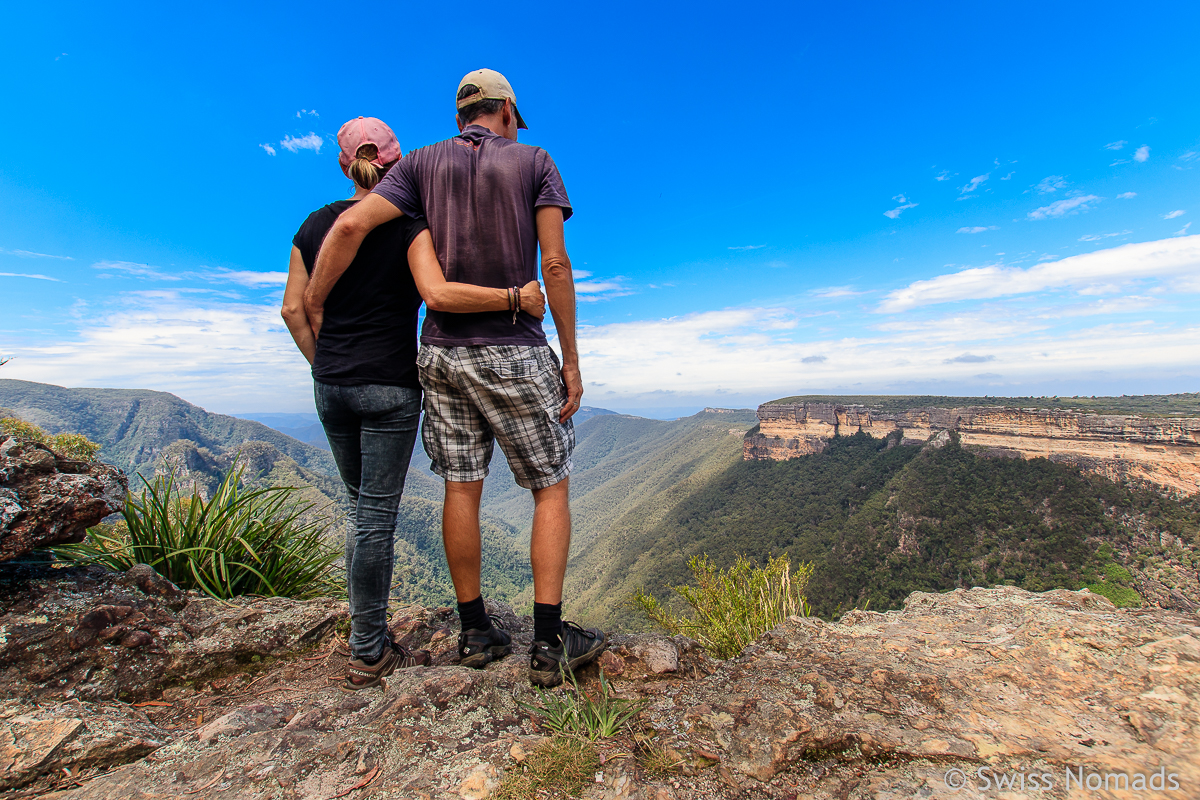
520 119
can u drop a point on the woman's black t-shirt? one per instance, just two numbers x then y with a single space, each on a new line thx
369 334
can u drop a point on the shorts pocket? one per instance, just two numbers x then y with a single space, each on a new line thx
514 370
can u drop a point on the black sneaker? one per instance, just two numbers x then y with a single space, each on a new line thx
578 647
477 649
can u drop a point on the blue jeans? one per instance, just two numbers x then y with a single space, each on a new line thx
371 431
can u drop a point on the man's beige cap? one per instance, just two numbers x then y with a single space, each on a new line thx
492 86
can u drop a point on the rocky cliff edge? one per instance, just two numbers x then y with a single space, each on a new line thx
235 701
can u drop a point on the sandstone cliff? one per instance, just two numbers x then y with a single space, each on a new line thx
1161 450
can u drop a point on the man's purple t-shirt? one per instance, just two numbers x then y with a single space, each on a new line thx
478 192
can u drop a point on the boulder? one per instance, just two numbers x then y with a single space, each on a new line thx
46 499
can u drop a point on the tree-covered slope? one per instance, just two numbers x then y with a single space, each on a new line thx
881 521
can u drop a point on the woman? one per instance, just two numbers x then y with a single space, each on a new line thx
365 379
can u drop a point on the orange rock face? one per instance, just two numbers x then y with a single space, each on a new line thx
1164 451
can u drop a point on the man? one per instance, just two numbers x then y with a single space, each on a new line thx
490 203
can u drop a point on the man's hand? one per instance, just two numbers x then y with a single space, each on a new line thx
316 316
533 302
574 383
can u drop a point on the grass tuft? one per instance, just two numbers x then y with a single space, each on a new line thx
731 608
238 542
558 768
576 713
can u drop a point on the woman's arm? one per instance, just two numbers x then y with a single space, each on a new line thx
293 307
463 298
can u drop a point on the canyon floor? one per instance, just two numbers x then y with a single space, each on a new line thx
121 686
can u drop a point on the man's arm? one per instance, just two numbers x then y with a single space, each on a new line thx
463 298
560 292
293 307
339 249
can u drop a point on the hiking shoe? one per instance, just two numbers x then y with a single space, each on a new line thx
361 675
577 647
477 649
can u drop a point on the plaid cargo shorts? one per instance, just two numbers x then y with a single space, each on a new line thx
475 395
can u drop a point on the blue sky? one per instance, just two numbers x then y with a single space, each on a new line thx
783 199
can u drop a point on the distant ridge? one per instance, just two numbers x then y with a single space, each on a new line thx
134 426
1186 404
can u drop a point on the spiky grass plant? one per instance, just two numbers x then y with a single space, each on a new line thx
238 542
583 715
733 607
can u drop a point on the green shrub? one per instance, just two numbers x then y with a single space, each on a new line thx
731 608
579 714
68 445
237 542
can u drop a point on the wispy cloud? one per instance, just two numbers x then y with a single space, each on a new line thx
813 360
1008 177
1126 195
132 270
1116 265
904 204
747 246
28 275
1095 237
295 144
1061 208
1173 214
830 292
1182 231
1115 145
588 290
978 229
974 183
248 278
1142 153
31 254
968 358
944 175
1051 183
270 150
309 111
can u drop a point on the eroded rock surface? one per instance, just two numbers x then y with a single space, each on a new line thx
878 706
45 499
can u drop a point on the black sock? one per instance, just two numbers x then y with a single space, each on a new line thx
547 622
474 615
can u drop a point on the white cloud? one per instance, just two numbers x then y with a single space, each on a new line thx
1142 153
310 112
233 357
1069 205
747 247
1126 195
1182 231
1095 237
1051 183
31 254
978 229
944 175
1008 177
833 292
895 212
270 150
130 269
1163 258
248 278
974 183
1115 145
1173 214
30 275
310 142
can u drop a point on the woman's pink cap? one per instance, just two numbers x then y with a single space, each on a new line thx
367 130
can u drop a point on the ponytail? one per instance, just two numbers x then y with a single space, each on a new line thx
362 171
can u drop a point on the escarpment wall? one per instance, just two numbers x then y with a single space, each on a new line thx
1164 451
